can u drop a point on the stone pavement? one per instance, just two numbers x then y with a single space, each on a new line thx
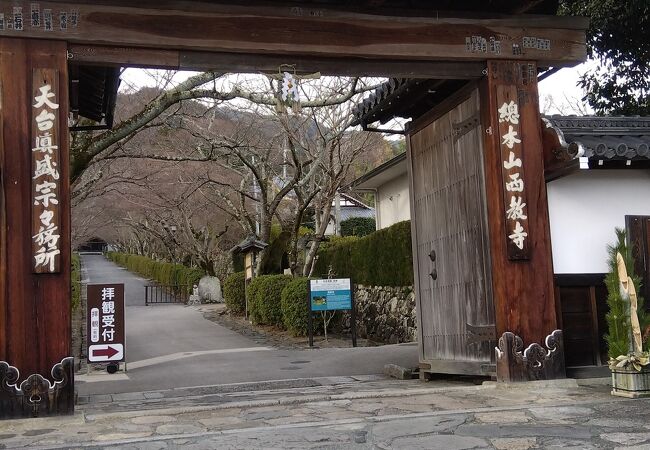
347 413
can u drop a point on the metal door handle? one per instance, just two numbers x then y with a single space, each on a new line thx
434 272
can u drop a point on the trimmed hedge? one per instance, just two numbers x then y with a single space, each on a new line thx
383 258
76 282
254 314
234 292
358 226
295 313
264 297
163 272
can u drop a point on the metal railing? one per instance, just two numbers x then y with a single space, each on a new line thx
165 294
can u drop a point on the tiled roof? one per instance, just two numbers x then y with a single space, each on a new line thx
605 138
402 97
350 212
378 95
249 242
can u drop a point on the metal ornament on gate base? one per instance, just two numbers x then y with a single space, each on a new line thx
534 363
36 396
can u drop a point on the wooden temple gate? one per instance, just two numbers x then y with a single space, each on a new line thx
500 49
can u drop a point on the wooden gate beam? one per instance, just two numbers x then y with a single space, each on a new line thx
104 55
520 241
289 31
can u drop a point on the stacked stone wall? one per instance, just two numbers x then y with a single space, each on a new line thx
385 314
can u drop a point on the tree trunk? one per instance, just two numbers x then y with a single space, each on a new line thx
310 257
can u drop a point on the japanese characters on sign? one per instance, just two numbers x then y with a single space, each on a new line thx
31 16
105 322
516 219
330 294
494 44
18 18
46 179
536 43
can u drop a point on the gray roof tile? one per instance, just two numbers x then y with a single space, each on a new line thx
606 138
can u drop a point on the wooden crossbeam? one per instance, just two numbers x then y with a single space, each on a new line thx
243 63
306 32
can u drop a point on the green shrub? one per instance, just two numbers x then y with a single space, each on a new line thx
234 292
295 311
254 313
160 271
75 282
265 298
382 258
358 226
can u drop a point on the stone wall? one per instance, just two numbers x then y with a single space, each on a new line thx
385 314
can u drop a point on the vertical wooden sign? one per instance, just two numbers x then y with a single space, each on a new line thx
35 308
512 173
46 178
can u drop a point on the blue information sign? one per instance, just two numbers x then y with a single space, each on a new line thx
330 295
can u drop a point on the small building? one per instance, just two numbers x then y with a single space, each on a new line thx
350 207
93 245
249 248
389 183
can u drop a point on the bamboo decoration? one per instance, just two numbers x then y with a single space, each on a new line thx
628 292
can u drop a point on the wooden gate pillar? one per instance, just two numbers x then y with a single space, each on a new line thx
520 242
36 373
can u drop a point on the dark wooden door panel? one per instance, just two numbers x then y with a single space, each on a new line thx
582 302
638 234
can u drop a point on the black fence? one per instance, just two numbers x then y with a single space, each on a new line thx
159 294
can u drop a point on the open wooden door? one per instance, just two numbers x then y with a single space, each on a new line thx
449 222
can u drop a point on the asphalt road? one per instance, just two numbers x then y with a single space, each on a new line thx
169 346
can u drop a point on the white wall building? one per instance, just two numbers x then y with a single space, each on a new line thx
390 185
349 207
584 209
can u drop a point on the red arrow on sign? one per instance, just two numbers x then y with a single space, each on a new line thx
108 352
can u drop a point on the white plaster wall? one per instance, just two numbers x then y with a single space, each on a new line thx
393 202
584 209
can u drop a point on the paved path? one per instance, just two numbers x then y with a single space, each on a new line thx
366 415
171 346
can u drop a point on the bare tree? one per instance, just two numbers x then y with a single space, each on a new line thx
240 154
566 106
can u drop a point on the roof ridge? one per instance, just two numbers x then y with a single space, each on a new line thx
600 122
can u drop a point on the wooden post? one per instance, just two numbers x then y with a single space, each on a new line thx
520 243
34 307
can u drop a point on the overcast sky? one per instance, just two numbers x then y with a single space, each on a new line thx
561 87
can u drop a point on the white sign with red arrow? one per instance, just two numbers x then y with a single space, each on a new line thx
105 352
